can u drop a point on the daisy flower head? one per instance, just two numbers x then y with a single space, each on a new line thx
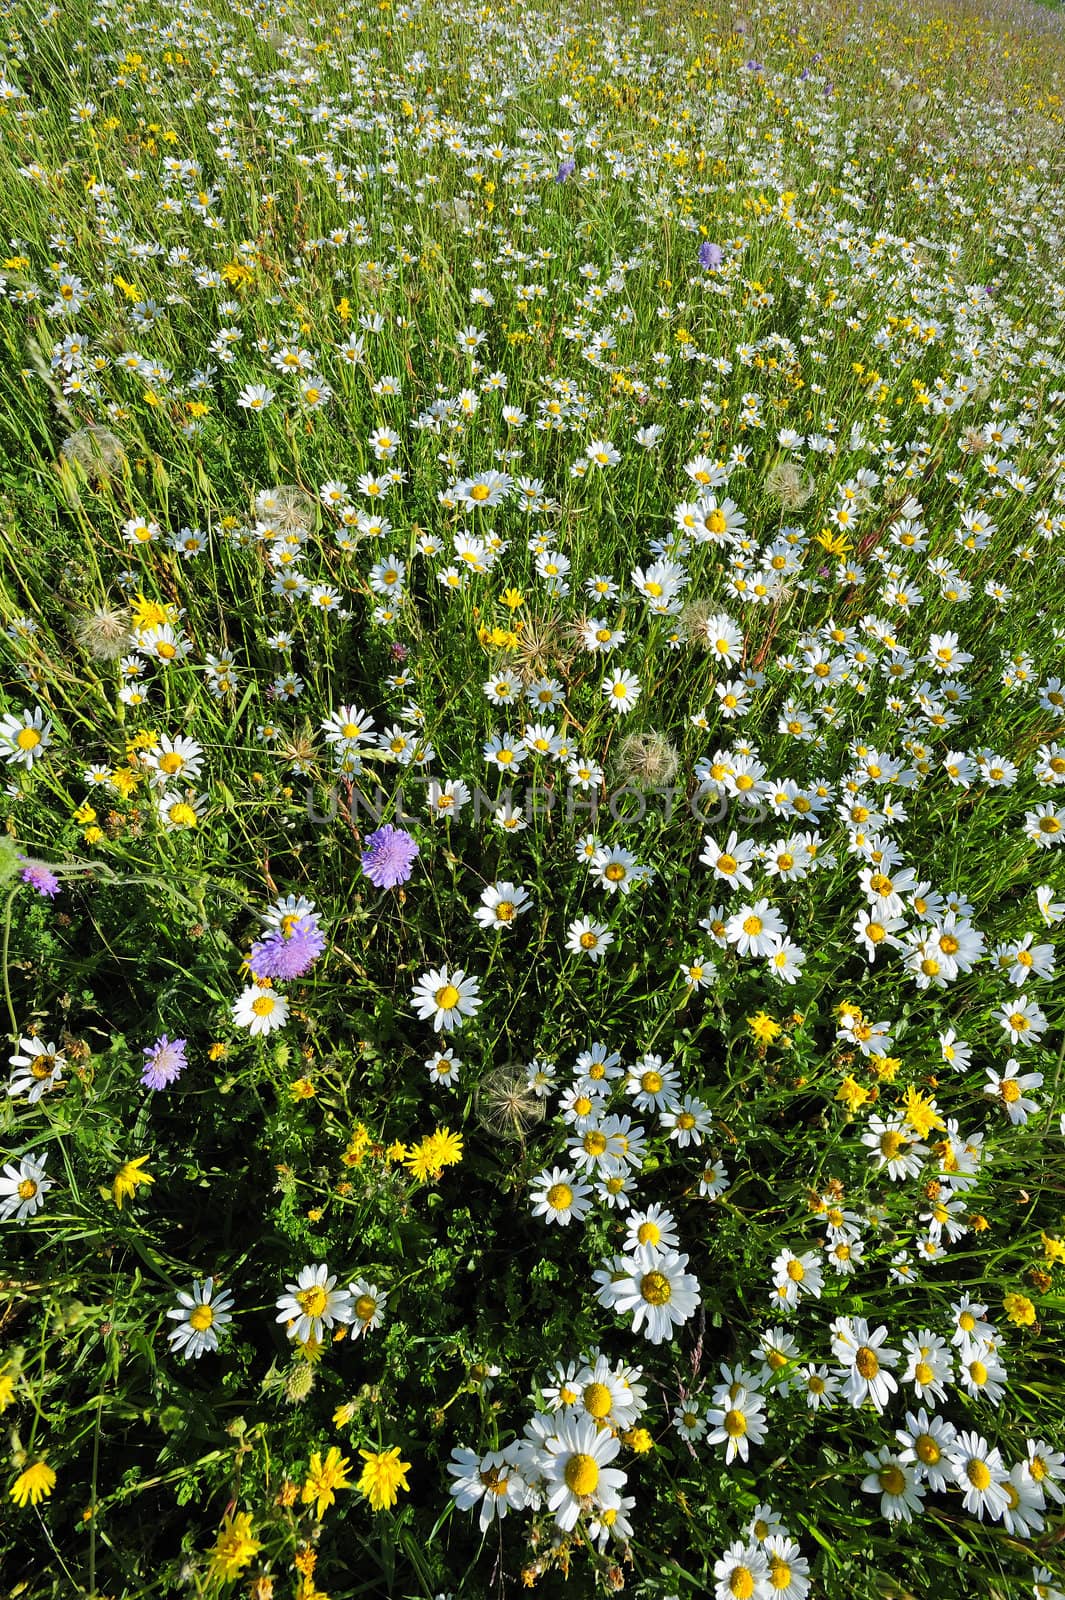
24 737
559 1196
653 1226
23 1186
585 937
867 1363
312 1305
621 690
447 997
443 1068
491 1482
199 1314
368 1304
1022 1021
260 1010
926 1443
575 1469
742 1571
1010 1087
38 1067
657 1290
753 929
738 1424
980 1474
652 1083
895 1481
501 905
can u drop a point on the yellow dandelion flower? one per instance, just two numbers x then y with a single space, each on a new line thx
921 1112
128 1179
382 1477
852 1094
1053 1249
1019 1309
763 1027
33 1485
235 1547
324 1478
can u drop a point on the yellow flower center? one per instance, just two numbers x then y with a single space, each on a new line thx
978 1474
313 1301
28 739
927 1450
649 1233
560 1197
726 864
27 1189
656 1288
262 1005
447 998
796 1271
741 1583
892 1480
581 1474
752 925
201 1319
365 1306
735 1424
589 940
867 1363
597 1400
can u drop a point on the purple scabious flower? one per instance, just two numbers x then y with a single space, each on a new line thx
288 953
388 859
37 875
710 255
566 170
163 1062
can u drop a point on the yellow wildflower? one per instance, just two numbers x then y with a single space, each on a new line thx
7 1388
235 1547
639 1440
302 1089
324 1478
33 1485
763 1027
1019 1309
921 1112
1053 1249
382 1477
128 1179
852 1094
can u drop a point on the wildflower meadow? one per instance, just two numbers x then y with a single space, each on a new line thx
532 710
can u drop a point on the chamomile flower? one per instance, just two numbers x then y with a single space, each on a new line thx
199 1314
446 996
311 1305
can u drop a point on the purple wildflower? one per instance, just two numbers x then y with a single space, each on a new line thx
398 651
288 953
566 170
37 875
389 857
164 1061
710 255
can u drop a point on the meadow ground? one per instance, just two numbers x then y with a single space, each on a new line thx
532 693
